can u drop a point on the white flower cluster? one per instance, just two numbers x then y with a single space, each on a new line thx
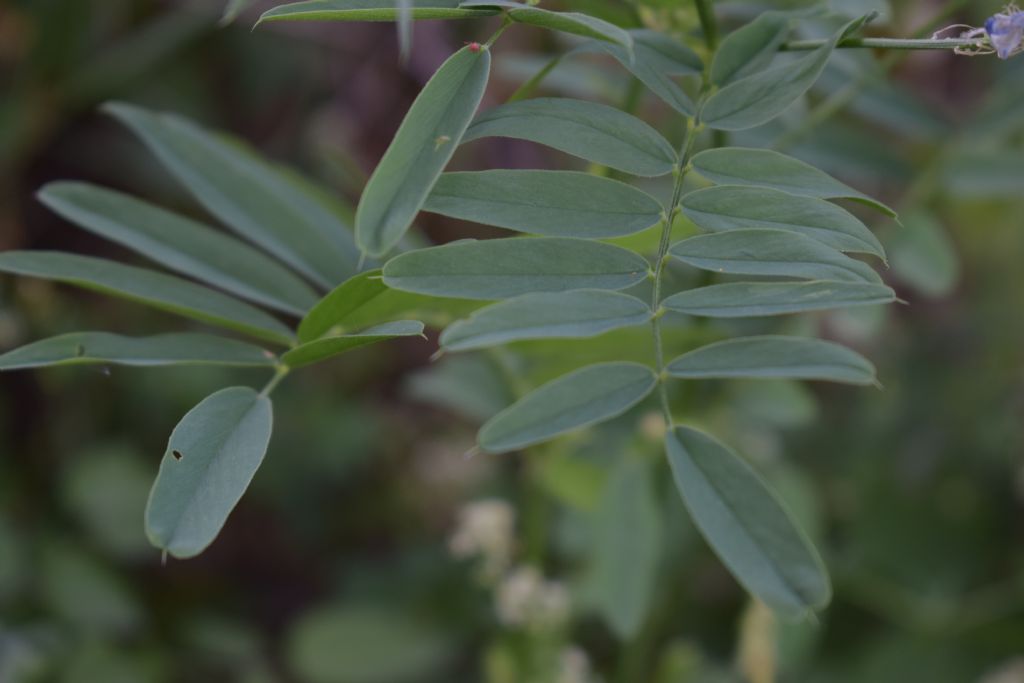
526 599
485 530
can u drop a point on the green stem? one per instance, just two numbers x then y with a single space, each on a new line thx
884 44
279 375
708 24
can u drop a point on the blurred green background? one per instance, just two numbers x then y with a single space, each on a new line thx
340 563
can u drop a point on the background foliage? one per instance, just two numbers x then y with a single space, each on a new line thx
913 493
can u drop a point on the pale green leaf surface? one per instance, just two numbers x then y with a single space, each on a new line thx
573 22
743 299
504 268
581 398
370 10
749 49
746 525
180 244
544 315
186 348
325 347
341 304
627 540
771 252
211 457
774 357
591 131
260 202
420 150
165 292
761 96
733 207
767 168
554 203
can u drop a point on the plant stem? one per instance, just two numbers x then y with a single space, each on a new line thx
707 22
884 44
279 375
682 168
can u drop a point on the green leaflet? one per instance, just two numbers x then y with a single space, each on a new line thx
161 291
581 398
749 49
761 96
746 525
325 347
567 22
555 203
732 207
420 150
771 252
341 304
210 459
543 315
766 168
80 348
180 244
774 357
744 299
655 59
260 202
504 268
369 10
591 131
627 545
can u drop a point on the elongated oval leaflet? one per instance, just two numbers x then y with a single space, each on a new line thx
161 291
180 244
581 398
767 168
745 524
504 268
186 348
325 347
545 315
370 10
420 150
555 203
655 59
771 252
264 204
734 207
341 304
210 459
746 299
749 49
576 23
761 96
591 131
768 357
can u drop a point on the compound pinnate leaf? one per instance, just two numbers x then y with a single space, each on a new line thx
774 357
504 268
341 304
734 207
325 347
749 49
581 398
264 204
767 168
165 292
211 457
771 252
370 10
760 97
544 315
746 525
745 299
555 203
420 150
180 244
186 348
591 131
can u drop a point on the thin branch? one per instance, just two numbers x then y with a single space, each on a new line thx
885 44
708 23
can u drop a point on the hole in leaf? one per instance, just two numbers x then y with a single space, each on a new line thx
177 455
